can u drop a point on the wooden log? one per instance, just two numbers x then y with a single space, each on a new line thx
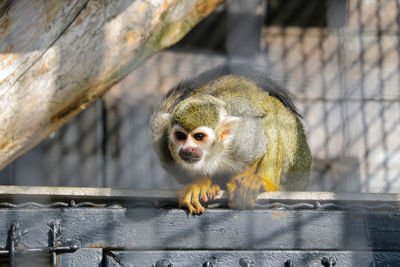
57 58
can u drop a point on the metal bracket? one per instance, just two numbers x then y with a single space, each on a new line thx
15 234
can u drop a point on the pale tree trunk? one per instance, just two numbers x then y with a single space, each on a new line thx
58 57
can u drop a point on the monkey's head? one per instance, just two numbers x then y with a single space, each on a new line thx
200 132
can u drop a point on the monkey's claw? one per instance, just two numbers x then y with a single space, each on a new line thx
191 195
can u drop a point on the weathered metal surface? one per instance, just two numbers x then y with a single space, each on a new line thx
216 258
44 84
85 257
135 228
90 257
14 247
150 228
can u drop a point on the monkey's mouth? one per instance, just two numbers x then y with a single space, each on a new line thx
192 160
189 157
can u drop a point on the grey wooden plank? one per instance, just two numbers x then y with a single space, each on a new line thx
221 229
108 194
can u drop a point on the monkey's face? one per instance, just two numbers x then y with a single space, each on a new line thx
190 149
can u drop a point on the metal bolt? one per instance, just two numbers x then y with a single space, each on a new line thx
328 262
15 235
207 264
164 263
246 262
289 263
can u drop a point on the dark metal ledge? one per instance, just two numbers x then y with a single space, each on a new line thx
45 196
121 226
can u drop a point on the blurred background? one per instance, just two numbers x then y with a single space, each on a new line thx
340 58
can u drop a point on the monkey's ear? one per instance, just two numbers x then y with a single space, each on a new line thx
166 117
159 123
227 127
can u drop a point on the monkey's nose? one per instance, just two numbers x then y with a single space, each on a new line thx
190 154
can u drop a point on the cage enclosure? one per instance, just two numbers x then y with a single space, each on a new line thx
94 193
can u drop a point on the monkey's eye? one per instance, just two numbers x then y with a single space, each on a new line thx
180 136
199 136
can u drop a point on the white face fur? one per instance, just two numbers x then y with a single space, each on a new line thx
200 139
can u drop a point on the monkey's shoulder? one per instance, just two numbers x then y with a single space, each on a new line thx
230 87
222 86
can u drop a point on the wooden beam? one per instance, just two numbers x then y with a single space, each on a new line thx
56 59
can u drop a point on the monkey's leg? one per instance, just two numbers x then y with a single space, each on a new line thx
191 194
243 189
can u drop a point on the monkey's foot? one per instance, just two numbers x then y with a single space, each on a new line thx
243 190
191 195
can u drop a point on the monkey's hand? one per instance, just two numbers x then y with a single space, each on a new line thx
191 194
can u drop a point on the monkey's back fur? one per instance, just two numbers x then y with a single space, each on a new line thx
270 130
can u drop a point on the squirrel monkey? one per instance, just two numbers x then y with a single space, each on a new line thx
230 128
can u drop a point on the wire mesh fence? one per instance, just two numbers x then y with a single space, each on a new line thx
340 59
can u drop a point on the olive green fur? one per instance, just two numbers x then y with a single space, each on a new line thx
287 162
233 90
195 113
